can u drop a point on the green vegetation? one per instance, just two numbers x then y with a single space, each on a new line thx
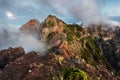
88 49
92 52
51 35
75 74
51 23
73 31
75 48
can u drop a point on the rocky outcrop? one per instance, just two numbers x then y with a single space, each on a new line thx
10 55
51 25
32 66
31 27
69 47
28 67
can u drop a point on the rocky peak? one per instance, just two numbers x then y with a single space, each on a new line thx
53 21
51 25
30 27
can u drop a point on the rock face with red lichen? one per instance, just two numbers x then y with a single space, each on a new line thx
51 25
31 27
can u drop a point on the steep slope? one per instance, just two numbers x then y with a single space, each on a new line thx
111 49
51 25
74 53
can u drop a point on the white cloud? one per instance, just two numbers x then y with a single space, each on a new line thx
10 36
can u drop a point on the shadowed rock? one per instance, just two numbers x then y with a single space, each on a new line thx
10 55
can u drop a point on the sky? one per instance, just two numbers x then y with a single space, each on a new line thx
15 13
18 12
112 8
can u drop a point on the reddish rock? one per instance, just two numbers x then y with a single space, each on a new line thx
31 27
10 55
28 67
50 25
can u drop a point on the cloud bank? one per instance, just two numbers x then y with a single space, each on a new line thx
11 37
74 10
87 11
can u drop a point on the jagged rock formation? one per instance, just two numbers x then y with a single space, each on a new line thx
51 25
31 27
72 51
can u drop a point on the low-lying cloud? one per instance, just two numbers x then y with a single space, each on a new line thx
10 36
87 11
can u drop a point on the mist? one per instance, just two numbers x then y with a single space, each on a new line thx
87 11
10 36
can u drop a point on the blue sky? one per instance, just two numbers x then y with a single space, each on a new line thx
111 7
18 12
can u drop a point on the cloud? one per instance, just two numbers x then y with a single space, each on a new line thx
86 10
10 36
31 43
112 23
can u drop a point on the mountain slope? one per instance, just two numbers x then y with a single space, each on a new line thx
74 52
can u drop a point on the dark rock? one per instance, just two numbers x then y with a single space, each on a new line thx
28 67
10 55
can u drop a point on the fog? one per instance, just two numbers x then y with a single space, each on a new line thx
10 36
87 11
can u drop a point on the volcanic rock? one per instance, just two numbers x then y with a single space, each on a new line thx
10 55
31 27
51 25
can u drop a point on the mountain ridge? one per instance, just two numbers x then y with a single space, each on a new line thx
73 50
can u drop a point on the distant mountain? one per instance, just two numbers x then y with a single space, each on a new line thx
31 27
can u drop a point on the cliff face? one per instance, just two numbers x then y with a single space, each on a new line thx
51 25
73 50
111 50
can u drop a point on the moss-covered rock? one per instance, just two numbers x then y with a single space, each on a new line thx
75 74
51 35
73 31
